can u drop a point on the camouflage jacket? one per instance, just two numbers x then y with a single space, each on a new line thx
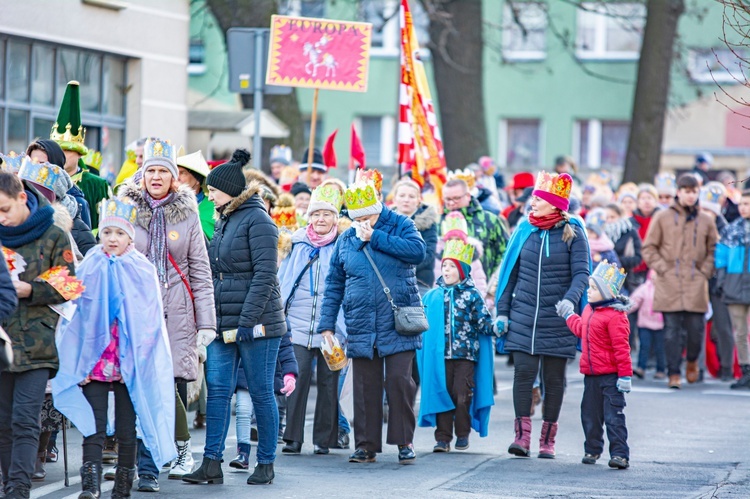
32 326
487 228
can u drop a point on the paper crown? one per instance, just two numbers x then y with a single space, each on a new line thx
466 175
326 195
284 215
116 208
93 159
459 250
596 218
611 274
666 183
555 189
158 149
67 285
454 226
712 193
44 174
67 130
373 176
360 195
12 161
289 176
281 154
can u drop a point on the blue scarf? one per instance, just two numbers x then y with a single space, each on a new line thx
40 219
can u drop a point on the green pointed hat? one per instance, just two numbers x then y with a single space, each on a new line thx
67 130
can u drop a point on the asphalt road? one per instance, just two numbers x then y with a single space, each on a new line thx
692 443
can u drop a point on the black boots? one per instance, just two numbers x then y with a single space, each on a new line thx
209 472
91 479
263 475
744 382
18 492
123 482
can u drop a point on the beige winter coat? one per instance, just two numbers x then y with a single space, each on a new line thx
187 246
681 253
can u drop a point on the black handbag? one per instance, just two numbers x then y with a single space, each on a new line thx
409 321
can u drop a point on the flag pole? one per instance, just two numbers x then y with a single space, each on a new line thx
311 144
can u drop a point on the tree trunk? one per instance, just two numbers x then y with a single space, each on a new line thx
457 50
257 14
650 104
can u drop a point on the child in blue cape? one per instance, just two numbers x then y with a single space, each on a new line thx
117 340
457 357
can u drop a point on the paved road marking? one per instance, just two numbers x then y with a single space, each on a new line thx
726 392
36 493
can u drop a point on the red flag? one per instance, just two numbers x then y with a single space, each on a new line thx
357 154
329 152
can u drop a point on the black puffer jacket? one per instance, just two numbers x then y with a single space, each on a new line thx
243 256
426 219
82 234
548 270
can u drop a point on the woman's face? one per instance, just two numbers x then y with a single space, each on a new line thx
158 181
322 221
39 156
628 205
407 200
219 198
646 203
612 216
302 201
540 207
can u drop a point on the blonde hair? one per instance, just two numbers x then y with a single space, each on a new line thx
569 232
407 183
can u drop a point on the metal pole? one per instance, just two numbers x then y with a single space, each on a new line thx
258 99
66 482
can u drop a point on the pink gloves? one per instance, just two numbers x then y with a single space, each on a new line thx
290 383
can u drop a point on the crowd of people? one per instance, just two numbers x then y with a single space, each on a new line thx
190 284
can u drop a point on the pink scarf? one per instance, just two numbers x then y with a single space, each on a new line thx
601 244
319 241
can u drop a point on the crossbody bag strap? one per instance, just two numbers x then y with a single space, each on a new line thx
296 283
386 290
182 276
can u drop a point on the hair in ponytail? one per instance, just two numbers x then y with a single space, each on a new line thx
568 232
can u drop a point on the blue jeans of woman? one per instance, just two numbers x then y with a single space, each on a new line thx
259 361
243 413
647 338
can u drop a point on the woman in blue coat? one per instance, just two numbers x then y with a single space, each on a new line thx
545 272
377 350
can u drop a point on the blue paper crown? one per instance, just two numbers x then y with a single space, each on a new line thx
612 275
596 218
156 148
712 194
44 174
12 161
665 182
282 154
118 209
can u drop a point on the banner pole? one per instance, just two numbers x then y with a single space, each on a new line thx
313 122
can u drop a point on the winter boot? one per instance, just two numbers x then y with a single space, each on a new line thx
18 492
263 475
522 444
184 462
692 372
547 440
39 472
123 482
91 479
209 472
744 382
242 461
674 381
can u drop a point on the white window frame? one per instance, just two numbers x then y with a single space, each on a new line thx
599 51
295 7
387 139
520 55
502 139
699 73
392 33
594 151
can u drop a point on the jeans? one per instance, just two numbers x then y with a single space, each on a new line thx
343 421
97 394
603 404
681 328
243 413
21 398
259 361
646 338
553 380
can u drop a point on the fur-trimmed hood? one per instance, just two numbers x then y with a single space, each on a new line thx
253 175
623 304
425 217
62 217
251 190
177 211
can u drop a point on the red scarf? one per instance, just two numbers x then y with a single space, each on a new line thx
547 221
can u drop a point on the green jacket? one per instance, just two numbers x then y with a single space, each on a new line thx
32 326
206 210
95 189
489 230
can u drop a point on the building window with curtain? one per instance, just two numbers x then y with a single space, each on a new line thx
524 31
520 143
610 30
601 143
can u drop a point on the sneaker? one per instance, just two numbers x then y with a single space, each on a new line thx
167 467
321 451
184 462
619 463
343 440
441 446
674 381
148 483
590 458
462 443
362 456
406 454
110 473
639 373
52 455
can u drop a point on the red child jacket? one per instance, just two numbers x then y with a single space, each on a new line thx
604 334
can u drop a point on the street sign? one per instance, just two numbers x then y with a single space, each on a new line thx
242 52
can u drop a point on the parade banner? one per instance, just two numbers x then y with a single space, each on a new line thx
319 53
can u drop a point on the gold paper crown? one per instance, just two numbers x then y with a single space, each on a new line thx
284 214
360 195
612 275
93 159
329 194
466 175
374 176
68 136
458 250
557 185
117 208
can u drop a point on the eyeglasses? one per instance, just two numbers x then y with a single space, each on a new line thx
455 199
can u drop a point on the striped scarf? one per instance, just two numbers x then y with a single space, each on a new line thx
157 234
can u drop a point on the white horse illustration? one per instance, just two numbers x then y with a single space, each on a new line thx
318 59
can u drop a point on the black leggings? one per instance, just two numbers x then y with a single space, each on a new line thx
97 393
553 380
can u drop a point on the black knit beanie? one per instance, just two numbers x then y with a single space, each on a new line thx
228 178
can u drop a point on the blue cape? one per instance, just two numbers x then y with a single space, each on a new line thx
126 289
431 362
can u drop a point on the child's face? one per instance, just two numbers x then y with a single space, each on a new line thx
114 240
593 294
744 207
450 273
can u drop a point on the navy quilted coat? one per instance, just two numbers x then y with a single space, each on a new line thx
548 270
396 247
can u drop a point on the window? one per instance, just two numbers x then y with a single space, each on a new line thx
304 8
601 143
524 31
197 57
18 71
84 67
318 133
610 30
520 143
720 64
386 30
378 135
371 138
